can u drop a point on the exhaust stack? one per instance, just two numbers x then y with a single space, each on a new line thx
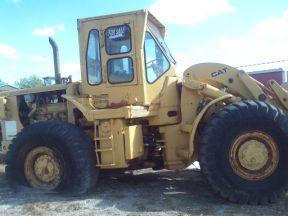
56 60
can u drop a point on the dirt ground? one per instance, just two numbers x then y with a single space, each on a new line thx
143 192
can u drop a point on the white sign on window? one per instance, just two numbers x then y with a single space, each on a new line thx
116 32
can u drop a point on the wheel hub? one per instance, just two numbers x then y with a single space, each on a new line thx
254 155
44 168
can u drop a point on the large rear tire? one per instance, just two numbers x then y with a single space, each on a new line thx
53 156
244 152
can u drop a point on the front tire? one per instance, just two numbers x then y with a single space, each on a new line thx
53 156
244 152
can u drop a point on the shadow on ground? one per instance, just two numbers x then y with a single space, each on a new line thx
143 192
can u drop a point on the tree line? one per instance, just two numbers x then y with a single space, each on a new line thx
27 82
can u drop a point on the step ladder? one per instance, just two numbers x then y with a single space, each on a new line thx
99 150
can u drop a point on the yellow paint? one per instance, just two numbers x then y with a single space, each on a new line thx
115 115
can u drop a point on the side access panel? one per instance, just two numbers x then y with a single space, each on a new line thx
175 141
116 143
134 146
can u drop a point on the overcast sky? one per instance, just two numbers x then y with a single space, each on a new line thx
232 32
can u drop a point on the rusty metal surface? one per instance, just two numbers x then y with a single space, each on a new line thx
44 168
254 155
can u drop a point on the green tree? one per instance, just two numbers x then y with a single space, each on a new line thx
29 82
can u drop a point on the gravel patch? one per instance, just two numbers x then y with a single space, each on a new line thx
143 192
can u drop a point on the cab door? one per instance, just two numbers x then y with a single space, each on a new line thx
111 76
119 64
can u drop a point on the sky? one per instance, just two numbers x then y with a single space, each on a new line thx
233 32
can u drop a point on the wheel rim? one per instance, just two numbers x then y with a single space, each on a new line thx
254 155
44 168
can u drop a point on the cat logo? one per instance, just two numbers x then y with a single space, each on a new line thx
219 72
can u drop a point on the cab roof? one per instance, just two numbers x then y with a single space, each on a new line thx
146 12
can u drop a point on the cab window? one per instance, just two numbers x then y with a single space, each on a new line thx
93 59
120 70
118 39
156 62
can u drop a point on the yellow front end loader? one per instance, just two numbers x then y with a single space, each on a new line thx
132 111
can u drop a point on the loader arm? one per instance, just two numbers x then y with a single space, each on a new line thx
222 83
223 76
236 82
280 93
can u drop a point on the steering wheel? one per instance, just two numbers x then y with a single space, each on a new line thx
152 62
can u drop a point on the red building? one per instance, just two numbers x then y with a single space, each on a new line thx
265 75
